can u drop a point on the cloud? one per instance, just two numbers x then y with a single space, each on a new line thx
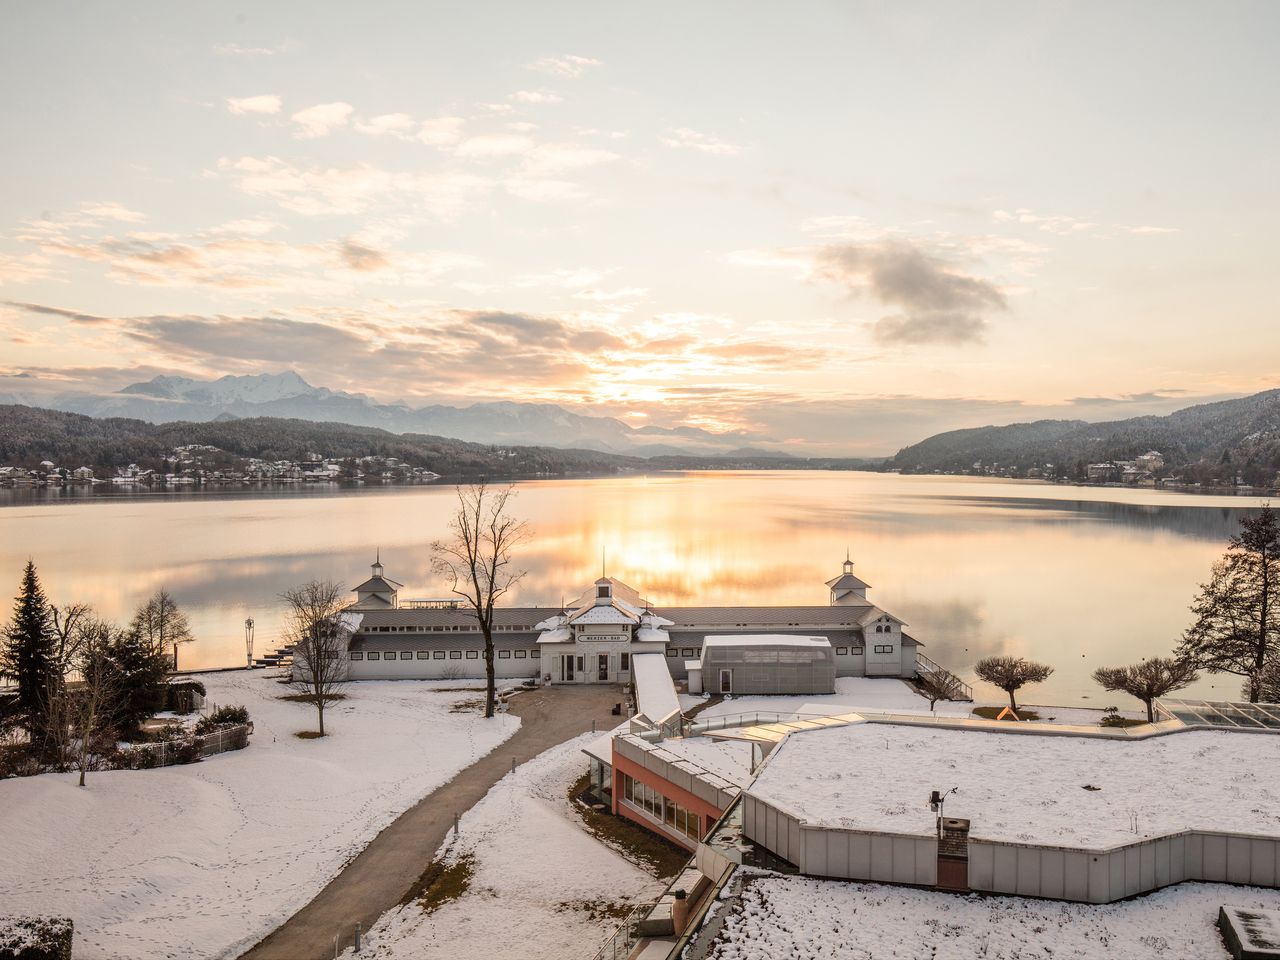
441 131
1152 230
316 191
396 124
74 316
940 303
487 146
555 158
436 132
322 119
265 104
565 66
687 139
536 96
237 50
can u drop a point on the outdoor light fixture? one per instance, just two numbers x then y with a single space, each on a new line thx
248 641
936 800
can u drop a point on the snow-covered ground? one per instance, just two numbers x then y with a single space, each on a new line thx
537 874
204 860
1026 787
880 695
804 919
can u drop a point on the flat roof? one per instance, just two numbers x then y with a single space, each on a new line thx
1050 790
764 640
655 690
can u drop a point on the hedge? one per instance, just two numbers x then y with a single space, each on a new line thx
35 938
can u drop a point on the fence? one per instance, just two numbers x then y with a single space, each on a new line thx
620 944
189 750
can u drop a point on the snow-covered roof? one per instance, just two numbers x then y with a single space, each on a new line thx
604 613
764 640
378 585
847 581
558 635
655 690
652 635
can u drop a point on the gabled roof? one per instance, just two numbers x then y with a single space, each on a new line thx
378 585
694 618
847 581
603 613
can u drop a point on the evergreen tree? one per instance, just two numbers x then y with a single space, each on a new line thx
1237 625
30 655
140 673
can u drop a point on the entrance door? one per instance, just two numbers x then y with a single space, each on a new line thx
566 667
604 667
726 681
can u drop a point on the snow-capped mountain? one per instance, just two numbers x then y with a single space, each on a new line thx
167 398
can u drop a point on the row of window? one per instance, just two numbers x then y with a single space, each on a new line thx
644 797
857 650
465 628
884 648
884 628
438 654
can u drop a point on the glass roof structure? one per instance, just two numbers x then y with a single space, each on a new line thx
1259 717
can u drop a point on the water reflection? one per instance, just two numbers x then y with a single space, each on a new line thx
976 567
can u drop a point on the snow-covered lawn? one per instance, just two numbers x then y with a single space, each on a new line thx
204 860
1027 787
885 695
803 919
537 874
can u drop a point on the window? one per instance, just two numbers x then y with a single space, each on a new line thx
884 648
858 650
455 654
688 652
521 654
504 654
406 654
437 654
374 655
473 654
624 662
424 655
357 655
673 652
842 651
602 591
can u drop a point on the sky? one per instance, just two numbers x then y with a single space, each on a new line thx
837 227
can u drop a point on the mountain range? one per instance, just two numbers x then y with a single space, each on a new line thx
1206 442
166 399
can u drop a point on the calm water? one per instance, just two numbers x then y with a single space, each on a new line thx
1073 576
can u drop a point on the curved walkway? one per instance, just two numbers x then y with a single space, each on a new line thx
377 879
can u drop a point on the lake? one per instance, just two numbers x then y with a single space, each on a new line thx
1077 577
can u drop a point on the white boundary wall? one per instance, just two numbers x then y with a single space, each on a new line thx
1104 875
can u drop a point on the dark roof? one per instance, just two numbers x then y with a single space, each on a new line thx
695 637
377 585
847 581
441 641
814 616
460 616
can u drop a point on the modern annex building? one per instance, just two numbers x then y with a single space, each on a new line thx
598 637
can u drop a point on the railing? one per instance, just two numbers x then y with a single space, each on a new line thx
925 665
170 752
443 604
623 940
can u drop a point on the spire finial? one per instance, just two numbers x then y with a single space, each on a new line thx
603 568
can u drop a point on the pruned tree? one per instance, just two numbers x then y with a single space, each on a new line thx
161 624
1011 674
476 561
315 632
1147 681
1237 625
30 657
936 685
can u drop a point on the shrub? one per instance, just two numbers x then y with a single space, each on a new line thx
222 717
176 696
191 751
36 938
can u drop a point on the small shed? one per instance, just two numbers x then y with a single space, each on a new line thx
770 663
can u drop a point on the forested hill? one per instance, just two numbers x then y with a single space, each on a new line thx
29 435
1207 442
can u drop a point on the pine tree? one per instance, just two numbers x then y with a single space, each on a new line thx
30 655
139 676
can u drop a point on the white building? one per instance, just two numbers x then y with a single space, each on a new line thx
595 638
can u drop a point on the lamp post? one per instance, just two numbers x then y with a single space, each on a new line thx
248 641
936 800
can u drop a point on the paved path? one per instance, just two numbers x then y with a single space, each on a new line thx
382 874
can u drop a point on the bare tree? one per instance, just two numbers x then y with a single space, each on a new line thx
82 710
69 624
1269 682
1148 680
1237 626
936 685
476 560
315 632
161 624
1011 674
